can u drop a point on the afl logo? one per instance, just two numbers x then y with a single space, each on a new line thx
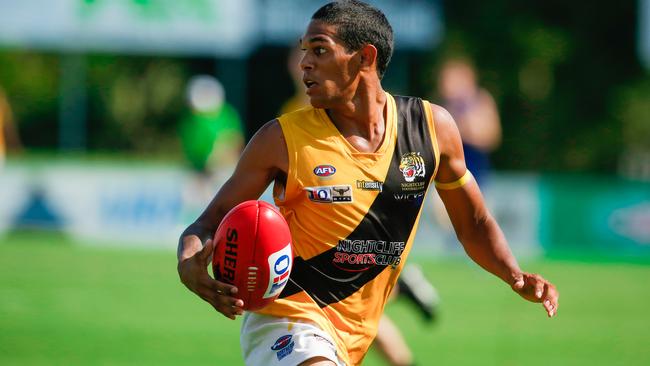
282 342
283 346
324 171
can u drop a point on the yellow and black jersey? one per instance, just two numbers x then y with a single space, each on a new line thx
353 217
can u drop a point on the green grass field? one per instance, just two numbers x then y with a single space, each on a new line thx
65 304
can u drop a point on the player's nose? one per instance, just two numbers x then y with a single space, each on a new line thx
305 63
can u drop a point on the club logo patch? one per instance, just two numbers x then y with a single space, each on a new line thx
412 166
283 346
279 269
330 194
325 171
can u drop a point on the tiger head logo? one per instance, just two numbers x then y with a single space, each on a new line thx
412 166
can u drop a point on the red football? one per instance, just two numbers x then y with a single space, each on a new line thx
253 252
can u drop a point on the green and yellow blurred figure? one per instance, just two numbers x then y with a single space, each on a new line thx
8 135
211 133
212 139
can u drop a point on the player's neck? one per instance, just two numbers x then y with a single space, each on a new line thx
362 119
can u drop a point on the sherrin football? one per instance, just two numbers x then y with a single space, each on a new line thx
253 252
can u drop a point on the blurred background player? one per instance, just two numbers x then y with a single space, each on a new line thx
212 138
299 99
475 113
9 139
412 284
477 118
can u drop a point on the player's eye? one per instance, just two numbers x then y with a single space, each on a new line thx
319 50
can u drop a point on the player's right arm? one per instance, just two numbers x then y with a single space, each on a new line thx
263 160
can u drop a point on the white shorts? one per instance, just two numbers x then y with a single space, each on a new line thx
267 341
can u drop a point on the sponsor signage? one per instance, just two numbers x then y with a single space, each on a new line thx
330 194
279 269
149 206
370 185
608 216
360 255
200 27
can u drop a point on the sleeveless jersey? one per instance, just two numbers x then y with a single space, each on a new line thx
353 217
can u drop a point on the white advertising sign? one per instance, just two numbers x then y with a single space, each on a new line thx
205 27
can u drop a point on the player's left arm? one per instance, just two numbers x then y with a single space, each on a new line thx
475 227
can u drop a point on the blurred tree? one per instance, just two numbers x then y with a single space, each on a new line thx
632 108
135 103
552 66
30 80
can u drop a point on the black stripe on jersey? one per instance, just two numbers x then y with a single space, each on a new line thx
389 219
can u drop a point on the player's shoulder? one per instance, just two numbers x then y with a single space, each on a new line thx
441 116
305 121
267 147
298 113
439 113
270 132
445 127
275 129
442 119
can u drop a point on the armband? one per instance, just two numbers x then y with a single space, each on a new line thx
455 184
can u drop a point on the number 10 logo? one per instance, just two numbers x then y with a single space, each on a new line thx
320 194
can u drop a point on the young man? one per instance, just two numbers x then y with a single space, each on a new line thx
350 175
411 284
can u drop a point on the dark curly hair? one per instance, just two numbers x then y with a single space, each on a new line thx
358 24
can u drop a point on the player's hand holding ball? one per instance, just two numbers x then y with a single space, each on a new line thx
253 252
251 259
193 271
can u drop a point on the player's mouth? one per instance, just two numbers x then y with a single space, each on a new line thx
310 84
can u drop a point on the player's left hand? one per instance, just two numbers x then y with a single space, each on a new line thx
535 288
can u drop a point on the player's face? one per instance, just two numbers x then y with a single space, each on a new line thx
330 72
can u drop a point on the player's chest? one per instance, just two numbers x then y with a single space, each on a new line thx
328 177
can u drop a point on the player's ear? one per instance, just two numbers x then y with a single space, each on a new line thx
368 57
